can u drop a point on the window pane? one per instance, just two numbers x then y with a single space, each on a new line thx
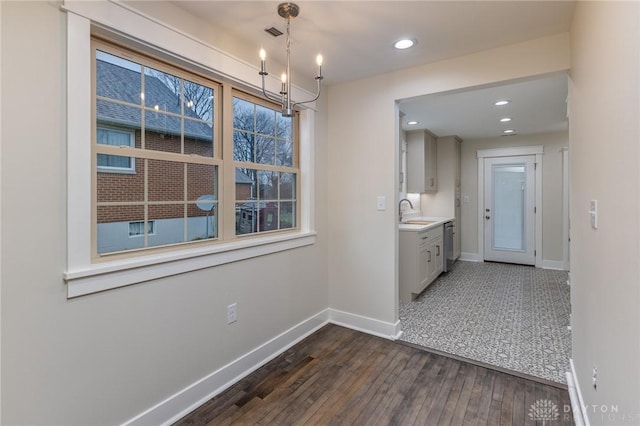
198 101
287 215
201 181
246 218
120 187
265 121
113 228
287 186
245 179
113 137
198 138
162 91
162 132
243 146
113 114
202 224
165 180
267 216
169 224
268 188
243 115
283 127
265 150
118 78
285 153
202 217
115 162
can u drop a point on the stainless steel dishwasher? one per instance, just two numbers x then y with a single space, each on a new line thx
448 246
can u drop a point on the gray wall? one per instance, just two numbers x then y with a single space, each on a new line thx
605 266
551 188
104 358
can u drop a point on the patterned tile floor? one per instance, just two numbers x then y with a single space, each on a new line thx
511 316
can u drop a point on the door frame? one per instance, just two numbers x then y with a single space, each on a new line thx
538 151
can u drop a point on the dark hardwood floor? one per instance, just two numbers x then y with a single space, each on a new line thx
338 376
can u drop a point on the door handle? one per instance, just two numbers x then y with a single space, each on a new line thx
487 217
429 260
438 252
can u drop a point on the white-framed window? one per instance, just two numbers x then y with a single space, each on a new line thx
86 274
136 229
115 163
267 176
172 152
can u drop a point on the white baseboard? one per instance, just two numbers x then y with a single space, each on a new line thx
553 264
580 417
190 398
193 396
471 257
367 325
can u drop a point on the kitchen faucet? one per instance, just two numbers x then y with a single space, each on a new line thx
400 207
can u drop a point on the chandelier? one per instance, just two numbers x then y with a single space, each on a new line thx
287 11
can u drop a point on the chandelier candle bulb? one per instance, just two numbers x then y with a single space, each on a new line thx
263 57
319 62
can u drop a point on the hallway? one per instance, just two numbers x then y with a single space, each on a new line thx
510 316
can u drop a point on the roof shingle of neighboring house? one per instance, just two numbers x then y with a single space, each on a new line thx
242 177
116 82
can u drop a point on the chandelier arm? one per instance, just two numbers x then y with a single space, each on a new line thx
311 100
266 95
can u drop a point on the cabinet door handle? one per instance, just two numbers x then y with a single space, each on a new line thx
429 253
438 252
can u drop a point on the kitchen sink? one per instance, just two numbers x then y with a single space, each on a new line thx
418 222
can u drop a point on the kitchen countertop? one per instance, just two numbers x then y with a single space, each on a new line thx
437 221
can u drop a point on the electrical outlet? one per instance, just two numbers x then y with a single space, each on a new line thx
595 378
232 313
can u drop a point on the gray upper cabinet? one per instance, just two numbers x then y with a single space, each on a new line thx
421 162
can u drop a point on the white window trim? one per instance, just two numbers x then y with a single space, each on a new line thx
84 277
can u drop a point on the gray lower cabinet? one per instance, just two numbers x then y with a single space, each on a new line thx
421 260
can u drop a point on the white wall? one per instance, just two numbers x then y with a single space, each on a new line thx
363 163
551 188
104 358
605 279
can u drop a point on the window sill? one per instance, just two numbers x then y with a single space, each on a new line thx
120 273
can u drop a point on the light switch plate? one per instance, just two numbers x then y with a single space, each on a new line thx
381 202
594 214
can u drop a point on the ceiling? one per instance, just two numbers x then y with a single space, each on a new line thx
536 106
356 39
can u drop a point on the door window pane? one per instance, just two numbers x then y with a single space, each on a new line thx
509 207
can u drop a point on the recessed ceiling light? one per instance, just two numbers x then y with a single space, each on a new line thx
404 43
500 103
504 120
508 131
412 123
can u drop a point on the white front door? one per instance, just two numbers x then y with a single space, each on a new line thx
509 209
